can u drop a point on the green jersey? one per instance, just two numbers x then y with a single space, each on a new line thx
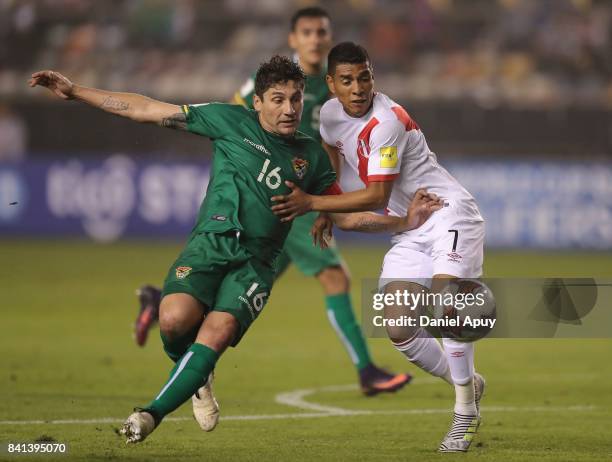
250 165
316 94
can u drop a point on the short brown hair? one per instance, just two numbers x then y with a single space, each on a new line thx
279 69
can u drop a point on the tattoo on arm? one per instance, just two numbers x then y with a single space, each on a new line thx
370 224
177 121
114 104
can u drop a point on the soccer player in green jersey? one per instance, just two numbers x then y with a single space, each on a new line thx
310 38
221 280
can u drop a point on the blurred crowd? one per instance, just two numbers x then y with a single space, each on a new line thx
522 53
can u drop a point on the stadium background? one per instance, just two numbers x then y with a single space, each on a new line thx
513 95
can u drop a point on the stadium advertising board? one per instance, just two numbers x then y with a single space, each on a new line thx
526 204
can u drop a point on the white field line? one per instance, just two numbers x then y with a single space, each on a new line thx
296 399
311 415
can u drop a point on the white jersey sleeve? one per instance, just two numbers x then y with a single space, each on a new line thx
324 124
325 136
387 144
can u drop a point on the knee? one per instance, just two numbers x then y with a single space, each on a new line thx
177 319
396 337
399 335
169 325
335 280
401 324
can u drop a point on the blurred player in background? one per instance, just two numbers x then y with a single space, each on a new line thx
310 37
221 281
379 141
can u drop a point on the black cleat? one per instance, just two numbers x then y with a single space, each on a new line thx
149 298
374 380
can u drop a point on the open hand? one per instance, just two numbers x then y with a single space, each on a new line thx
321 231
422 206
292 205
55 82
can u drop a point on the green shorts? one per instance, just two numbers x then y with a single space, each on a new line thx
298 249
223 275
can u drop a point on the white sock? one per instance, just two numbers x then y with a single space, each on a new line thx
460 357
425 351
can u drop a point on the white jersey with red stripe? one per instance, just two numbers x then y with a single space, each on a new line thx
386 144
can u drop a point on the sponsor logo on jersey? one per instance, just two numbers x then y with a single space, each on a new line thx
299 167
388 157
183 271
454 257
259 147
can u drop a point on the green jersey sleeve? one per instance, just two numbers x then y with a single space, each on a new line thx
323 176
213 120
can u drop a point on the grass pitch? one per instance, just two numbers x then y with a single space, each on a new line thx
67 355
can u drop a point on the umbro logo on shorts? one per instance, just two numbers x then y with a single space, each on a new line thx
454 257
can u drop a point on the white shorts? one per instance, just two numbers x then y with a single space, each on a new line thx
450 242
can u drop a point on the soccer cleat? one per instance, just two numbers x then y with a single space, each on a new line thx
205 406
479 388
461 433
149 298
137 427
374 380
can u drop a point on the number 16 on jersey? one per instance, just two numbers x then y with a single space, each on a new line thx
273 179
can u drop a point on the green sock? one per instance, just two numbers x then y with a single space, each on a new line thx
188 374
177 347
342 318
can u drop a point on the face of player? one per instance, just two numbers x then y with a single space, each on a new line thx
353 84
311 40
280 109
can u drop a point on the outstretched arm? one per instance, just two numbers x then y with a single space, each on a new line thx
369 222
374 196
131 105
422 206
387 142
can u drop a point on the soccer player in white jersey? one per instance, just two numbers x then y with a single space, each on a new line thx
375 137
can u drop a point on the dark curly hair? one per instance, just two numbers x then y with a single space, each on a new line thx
279 69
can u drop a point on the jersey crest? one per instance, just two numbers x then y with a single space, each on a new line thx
183 271
299 167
